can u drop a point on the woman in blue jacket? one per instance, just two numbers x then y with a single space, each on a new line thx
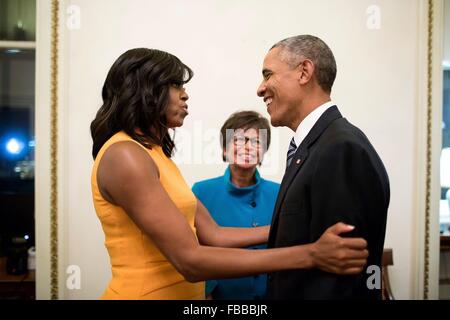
240 198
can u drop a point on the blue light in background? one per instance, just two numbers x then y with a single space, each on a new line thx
14 146
13 51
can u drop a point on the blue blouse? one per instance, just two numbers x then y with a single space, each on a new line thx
231 206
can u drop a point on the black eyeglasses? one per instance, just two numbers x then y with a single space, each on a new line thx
242 141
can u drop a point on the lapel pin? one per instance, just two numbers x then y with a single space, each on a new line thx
298 161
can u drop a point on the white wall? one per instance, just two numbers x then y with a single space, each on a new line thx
447 32
224 42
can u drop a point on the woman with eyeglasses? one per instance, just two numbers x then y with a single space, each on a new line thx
162 242
241 197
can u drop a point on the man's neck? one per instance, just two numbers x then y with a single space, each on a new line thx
309 104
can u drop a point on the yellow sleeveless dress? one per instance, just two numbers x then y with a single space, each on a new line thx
139 269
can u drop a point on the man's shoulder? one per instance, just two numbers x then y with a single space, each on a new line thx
342 132
345 140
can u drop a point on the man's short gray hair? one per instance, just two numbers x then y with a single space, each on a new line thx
294 49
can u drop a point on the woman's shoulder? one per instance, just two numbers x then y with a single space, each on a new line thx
207 184
122 163
122 140
120 136
269 184
121 149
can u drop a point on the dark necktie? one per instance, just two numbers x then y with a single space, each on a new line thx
291 152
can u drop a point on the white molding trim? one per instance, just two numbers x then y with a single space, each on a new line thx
426 269
43 157
421 274
436 147
18 44
42 179
421 109
63 151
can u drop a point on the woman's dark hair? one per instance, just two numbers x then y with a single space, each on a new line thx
135 97
244 120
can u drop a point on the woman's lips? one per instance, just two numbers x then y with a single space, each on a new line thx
246 158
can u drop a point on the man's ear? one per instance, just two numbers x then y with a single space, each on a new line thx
306 71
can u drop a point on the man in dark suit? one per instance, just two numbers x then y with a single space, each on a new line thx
333 172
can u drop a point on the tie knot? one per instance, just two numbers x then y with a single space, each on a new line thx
292 145
291 151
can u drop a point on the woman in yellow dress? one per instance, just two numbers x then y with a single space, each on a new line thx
162 242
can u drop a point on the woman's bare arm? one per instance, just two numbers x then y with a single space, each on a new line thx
211 234
128 177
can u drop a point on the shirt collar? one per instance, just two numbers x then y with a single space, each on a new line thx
308 123
232 188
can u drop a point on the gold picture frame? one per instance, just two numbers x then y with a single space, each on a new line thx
54 151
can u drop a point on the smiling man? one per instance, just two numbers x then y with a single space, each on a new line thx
333 173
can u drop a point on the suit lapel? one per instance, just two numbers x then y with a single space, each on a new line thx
299 159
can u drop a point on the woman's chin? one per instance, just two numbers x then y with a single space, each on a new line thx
176 124
246 165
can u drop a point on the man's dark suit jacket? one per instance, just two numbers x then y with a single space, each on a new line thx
336 175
